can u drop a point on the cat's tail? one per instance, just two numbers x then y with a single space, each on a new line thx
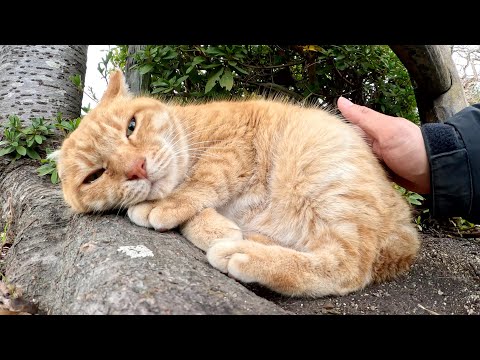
397 253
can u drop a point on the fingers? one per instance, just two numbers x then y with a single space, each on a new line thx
369 120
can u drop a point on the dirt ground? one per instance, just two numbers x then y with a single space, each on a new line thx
444 280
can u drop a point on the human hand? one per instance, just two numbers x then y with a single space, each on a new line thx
396 141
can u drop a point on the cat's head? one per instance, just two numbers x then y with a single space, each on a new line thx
125 151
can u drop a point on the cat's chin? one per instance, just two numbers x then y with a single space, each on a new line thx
157 192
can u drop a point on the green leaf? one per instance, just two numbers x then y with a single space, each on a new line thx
160 82
416 196
211 66
21 150
45 169
38 139
415 202
197 60
180 80
33 154
144 69
239 69
227 80
214 51
54 177
171 56
212 80
7 150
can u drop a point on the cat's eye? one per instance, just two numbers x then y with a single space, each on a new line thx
93 176
131 126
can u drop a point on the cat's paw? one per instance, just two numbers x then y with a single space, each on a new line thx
139 213
164 218
231 257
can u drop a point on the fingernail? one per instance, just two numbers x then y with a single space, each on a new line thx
345 101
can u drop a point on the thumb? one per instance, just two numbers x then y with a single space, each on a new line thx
367 119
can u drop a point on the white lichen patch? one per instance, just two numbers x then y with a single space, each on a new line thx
53 64
136 251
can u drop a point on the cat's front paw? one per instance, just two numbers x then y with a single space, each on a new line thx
164 218
162 215
138 213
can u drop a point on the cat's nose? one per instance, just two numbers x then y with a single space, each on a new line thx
137 170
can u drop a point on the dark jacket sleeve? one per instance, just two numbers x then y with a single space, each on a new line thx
453 150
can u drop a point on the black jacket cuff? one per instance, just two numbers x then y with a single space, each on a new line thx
450 173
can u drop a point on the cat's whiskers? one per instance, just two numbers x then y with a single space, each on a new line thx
122 204
202 149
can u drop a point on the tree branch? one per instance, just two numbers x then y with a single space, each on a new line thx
82 264
277 87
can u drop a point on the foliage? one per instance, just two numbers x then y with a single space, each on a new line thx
24 141
66 125
3 235
49 167
410 196
461 224
414 200
369 75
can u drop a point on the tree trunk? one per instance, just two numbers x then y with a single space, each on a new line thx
137 83
438 88
82 264
35 80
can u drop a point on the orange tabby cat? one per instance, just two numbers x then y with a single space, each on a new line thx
287 196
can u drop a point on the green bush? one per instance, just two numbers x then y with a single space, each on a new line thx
370 75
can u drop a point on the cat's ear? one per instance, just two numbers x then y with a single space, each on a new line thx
117 86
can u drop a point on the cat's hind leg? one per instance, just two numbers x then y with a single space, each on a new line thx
328 270
208 227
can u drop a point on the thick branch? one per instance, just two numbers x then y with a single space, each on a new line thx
138 84
73 264
438 89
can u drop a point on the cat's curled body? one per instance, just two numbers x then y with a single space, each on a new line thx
287 196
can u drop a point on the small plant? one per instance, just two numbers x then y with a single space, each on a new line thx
412 197
49 167
461 224
3 235
65 125
77 81
421 220
24 141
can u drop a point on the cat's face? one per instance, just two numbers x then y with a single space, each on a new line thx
125 151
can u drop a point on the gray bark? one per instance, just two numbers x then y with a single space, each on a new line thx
34 80
71 264
138 84
438 88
